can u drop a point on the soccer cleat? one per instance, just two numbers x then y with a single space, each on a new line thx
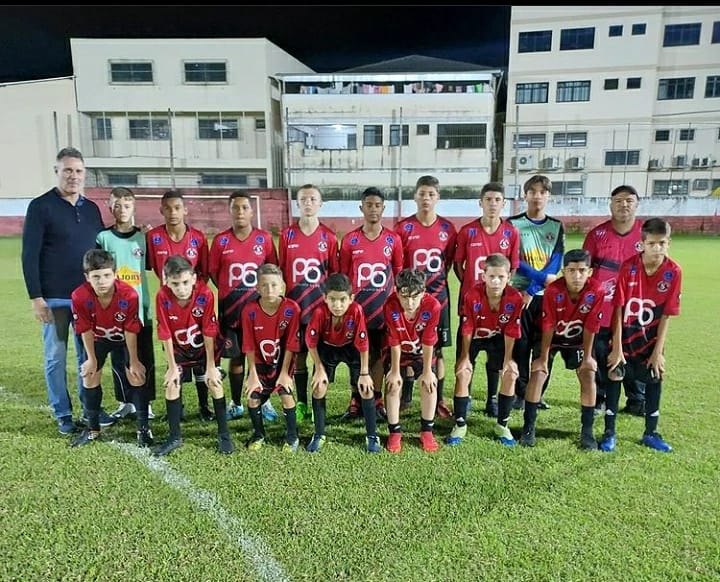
504 435
491 407
302 412
234 411
167 447
372 444
353 411
124 409
145 438
428 442
542 405
442 410
86 437
106 419
394 442
206 415
380 411
255 443
66 425
316 443
588 442
457 435
225 444
527 438
607 444
291 447
269 414
655 441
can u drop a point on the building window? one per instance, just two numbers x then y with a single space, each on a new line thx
102 128
662 135
217 128
531 93
571 139
712 86
537 41
372 135
622 158
686 135
461 136
122 179
633 83
131 73
324 137
223 180
398 137
682 88
615 30
715 33
682 34
423 129
638 29
259 123
149 129
569 188
573 91
611 84
529 140
205 73
701 184
572 39
670 187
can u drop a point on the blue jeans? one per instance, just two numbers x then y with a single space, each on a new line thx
55 344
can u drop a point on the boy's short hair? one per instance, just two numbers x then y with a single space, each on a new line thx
410 279
544 181
372 191
170 194
96 259
176 265
624 188
122 192
493 187
238 194
498 260
269 269
577 256
308 187
338 282
655 226
69 153
431 181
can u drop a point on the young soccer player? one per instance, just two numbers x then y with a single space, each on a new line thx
271 326
412 317
489 322
646 296
105 314
126 242
571 316
337 333
176 238
428 242
188 328
308 253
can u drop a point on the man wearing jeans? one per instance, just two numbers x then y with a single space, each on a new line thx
60 226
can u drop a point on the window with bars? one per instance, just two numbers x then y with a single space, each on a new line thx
529 140
422 129
137 72
686 135
461 136
121 179
633 83
398 135
531 93
573 91
712 86
670 187
662 135
217 128
372 135
149 129
102 128
568 188
622 158
206 72
681 88
566 139
223 180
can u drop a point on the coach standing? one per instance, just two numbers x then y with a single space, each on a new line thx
60 226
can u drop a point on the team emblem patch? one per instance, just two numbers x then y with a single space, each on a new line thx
284 323
191 253
198 311
387 251
157 239
395 316
504 244
585 308
472 232
425 315
138 252
408 227
260 239
662 286
258 249
389 240
122 304
590 297
504 318
507 232
477 306
509 307
288 312
350 324
443 235
120 316
549 237
668 276
201 300
322 246
224 241
193 242
559 297
354 240
638 246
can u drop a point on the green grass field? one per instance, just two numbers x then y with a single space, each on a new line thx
475 512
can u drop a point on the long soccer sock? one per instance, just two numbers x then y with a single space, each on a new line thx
504 408
407 390
319 411
612 402
174 412
440 386
236 387
219 408
291 422
460 406
257 420
368 408
93 398
301 382
426 425
394 428
652 406
530 415
202 392
493 381
587 417
140 401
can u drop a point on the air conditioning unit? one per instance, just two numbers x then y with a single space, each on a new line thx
524 162
679 161
654 164
695 163
551 163
576 163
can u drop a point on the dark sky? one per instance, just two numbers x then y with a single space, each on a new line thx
34 40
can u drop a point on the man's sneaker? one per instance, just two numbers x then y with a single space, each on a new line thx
527 438
234 411
491 407
167 447
225 444
316 443
518 403
303 412
291 447
372 444
124 409
66 425
457 435
255 443
588 442
599 409
542 405
428 442
151 414
442 410
607 443
206 415
394 442
269 413
145 438
504 435
380 411
86 437
106 419
655 441
353 411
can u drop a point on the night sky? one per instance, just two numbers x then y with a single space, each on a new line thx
35 40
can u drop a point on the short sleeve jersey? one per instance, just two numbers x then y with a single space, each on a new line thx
193 246
351 328
412 334
271 335
107 323
568 318
538 242
480 321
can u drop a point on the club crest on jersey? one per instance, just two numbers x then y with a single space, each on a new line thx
509 307
504 244
662 286
350 324
638 246
420 326
395 316
507 232
354 240
322 246
198 311
387 251
585 308
408 227
122 304
157 239
633 269
389 240
288 312
260 239
590 297
291 234
425 315
258 249
193 242
166 303
323 235
472 232
224 241
443 235
504 318
549 237
477 306
668 276
201 300
559 297
138 252
350 335
191 253
283 324
119 316
444 225
251 315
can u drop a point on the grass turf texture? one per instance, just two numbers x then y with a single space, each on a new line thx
478 511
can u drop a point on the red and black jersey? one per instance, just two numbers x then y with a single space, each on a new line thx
188 325
107 323
193 246
350 330
480 321
608 250
306 261
430 249
645 299
269 336
371 266
568 318
412 334
475 245
233 269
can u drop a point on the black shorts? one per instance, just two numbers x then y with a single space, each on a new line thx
268 376
443 329
119 361
376 337
572 356
636 369
190 370
231 338
415 365
331 356
495 348
303 345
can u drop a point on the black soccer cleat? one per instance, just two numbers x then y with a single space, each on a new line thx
145 438
167 447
